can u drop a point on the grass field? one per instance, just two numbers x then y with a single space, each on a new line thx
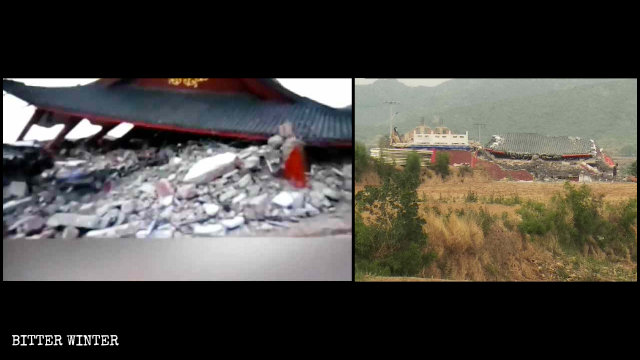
471 223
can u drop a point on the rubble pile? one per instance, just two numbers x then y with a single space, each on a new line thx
593 169
202 188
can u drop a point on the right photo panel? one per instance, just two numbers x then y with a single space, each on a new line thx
495 179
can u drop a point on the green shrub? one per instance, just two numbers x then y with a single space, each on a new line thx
577 217
362 160
393 243
442 165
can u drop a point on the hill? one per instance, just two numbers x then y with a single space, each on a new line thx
601 109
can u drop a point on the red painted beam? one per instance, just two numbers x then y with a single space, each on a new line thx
39 113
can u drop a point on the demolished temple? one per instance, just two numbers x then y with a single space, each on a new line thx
245 109
527 146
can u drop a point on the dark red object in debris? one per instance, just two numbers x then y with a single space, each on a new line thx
294 168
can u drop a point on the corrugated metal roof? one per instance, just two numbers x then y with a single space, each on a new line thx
233 113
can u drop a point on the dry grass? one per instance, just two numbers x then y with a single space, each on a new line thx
465 253
458 188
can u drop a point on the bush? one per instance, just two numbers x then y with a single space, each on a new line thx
393 243
362 160
442 165
577 218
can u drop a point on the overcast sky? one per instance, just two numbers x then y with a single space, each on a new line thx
16 113
409 82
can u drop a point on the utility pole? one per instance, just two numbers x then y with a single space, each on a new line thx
391 103
479 125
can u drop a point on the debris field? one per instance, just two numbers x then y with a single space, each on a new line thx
199 188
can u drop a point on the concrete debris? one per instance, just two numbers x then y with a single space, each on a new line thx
70 232
187 192
232 223
331 194
15 204
244 181
76 220
18 189
283 199
164 188
252 162
275 141
202 188
209 230
28 225
211 209
210 168
125 230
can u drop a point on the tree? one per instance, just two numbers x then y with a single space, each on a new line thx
362 160
442 164
393 243
383 142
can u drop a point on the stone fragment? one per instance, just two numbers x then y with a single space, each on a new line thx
147 189
116 231
347 185
166 201
318 200
187 191
347 171
46 196
230 174
28 225
76 220
110 218
209 230
239 198
298 199
331 193
275 141
18 189
87 209
253 190
14 204
70 232
210 168
128 206
244 181
252 162
232 223
164 188
211 209
228 195
283 199
337 172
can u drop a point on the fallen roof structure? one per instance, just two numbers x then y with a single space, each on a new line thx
247 109
525 146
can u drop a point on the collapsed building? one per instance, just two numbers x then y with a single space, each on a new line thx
550 157
527 146
206 157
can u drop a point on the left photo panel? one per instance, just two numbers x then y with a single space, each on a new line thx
165 179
